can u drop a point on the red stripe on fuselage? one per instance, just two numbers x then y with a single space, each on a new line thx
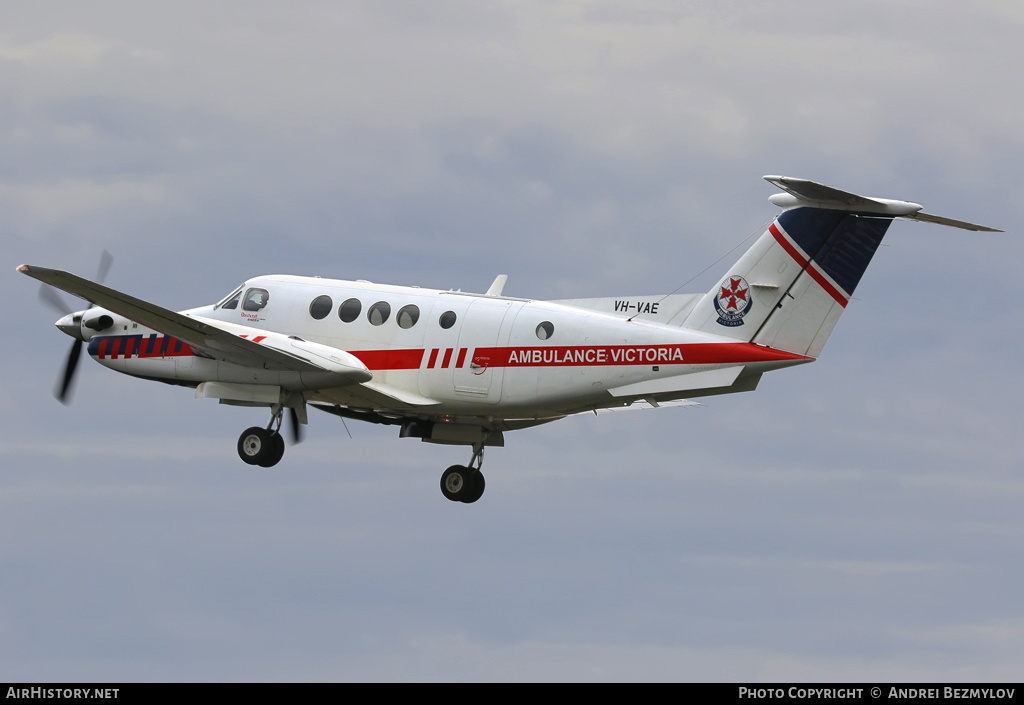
817 276
390 359
578 356
528 356
610 355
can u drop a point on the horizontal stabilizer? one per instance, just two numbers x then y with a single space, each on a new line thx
693 381
939 220
801 192
641 404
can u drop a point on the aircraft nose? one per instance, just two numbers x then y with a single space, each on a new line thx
71 324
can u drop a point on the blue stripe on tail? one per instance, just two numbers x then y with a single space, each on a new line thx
840 244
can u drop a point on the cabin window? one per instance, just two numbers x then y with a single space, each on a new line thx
320 307
407 316
255 299
349 311
447 319
378 313
545 330
231 300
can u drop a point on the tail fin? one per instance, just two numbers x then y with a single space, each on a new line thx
789 289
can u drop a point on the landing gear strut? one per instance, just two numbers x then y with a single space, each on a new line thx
461 483
262 446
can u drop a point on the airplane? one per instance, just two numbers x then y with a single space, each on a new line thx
462 369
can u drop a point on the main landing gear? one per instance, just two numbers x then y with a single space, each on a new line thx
262 446
461 483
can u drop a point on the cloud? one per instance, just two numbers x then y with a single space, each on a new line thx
38 209
585 149
58 52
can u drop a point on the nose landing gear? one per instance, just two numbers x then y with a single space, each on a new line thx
461 483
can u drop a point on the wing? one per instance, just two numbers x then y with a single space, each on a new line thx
207 339
374 396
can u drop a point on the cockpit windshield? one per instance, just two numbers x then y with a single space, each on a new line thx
231 300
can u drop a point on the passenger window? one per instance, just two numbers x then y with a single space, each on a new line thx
320 307
255 299
349 311
447 319
408 315
378 313
545 330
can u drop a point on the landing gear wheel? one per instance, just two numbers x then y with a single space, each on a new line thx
256 446
274 453
476 490
456 482
462 484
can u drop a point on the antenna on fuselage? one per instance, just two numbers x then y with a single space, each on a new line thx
497 286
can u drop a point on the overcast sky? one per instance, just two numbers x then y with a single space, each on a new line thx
854 519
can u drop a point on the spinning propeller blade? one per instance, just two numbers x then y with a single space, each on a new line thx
296 428
106 259
60 392
49 296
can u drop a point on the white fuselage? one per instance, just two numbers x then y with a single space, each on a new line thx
475 354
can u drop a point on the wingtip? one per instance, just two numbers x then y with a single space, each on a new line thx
23 268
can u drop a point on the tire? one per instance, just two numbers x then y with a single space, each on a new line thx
455 482
476 490
254 445
275 452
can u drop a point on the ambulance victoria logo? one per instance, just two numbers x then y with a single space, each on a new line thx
733 301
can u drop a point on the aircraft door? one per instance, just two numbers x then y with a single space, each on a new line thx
441 341
473 378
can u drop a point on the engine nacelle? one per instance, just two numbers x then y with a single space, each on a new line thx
83 325
333 360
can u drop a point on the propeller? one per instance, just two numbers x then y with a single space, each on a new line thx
61 391
106 259
49 296
296 427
